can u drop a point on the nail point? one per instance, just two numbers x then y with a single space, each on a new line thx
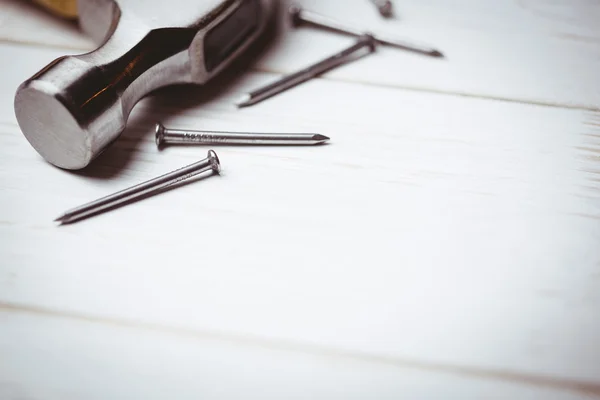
243 100
320 138
63 219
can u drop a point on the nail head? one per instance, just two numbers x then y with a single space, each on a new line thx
295 11
214 161
160 134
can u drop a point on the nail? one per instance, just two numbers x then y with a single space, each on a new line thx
177 136
301 16
365 42
142 190
384 7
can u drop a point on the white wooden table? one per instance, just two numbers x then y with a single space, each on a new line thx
446 244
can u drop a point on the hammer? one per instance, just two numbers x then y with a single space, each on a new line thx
76 106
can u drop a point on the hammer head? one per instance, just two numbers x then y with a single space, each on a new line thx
76 106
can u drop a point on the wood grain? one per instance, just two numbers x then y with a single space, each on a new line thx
70 358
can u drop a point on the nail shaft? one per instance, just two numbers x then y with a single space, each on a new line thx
301 16
177 136
211 163
384 6
365 43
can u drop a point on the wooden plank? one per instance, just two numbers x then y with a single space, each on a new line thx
456 231
45 357
527 51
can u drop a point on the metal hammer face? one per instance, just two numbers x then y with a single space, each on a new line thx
71 110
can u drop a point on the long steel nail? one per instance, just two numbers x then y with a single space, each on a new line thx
179 136
384 6
301 16
211 163
365 42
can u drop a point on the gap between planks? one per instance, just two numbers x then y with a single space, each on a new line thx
577 386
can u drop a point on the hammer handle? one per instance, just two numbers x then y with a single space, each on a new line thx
64 8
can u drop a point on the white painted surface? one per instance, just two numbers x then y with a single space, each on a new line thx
63 359
440 244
